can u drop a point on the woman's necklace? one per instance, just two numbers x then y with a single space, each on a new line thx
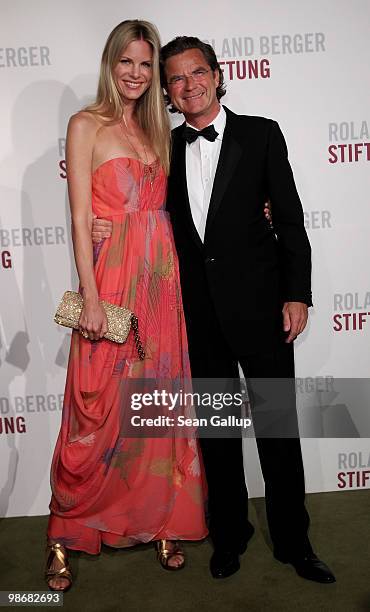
149 169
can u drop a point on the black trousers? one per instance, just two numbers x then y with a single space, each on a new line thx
280 458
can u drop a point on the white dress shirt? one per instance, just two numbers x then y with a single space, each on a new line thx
201 163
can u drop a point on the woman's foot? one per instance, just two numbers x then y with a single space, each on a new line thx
170 555
57 573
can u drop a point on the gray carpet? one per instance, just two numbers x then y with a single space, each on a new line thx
131 580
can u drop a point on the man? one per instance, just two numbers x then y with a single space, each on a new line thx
245 293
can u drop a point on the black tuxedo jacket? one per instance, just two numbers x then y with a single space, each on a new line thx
244 270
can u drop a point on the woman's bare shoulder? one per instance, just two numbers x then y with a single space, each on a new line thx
85 123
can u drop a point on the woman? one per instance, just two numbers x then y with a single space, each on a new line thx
108 488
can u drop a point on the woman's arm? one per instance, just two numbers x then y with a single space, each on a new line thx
81 135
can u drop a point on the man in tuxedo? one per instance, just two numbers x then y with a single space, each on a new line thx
245 290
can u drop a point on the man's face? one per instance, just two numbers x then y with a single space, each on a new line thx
191 85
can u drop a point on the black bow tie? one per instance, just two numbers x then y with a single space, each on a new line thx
208 132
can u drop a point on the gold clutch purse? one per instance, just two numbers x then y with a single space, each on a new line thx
120 319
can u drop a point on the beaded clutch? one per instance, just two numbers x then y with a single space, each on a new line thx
120 319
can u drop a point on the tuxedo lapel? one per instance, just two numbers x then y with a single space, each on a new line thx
229 156
179 192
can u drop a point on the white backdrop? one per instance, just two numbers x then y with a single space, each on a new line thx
305 64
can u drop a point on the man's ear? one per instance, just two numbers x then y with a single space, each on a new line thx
216 76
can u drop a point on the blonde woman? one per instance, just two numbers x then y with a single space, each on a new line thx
109 488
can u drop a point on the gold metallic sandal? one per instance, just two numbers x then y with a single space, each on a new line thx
164 554
56 550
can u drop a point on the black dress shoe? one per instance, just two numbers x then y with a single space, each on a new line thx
225 563
309 567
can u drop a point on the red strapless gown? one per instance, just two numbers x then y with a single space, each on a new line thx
108 488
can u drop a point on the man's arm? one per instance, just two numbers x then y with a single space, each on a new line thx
102 228
293 244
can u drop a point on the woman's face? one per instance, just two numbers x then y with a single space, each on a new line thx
133 73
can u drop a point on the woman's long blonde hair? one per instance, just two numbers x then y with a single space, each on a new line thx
150 108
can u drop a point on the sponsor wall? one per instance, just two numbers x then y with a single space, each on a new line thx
302 64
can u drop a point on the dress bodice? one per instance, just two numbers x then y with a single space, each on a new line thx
126 185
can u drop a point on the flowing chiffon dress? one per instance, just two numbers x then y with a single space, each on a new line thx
106 487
